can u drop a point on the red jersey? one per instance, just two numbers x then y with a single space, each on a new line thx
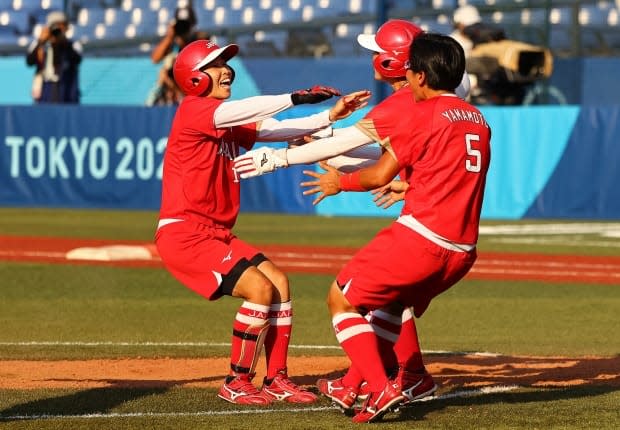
198 180
443 148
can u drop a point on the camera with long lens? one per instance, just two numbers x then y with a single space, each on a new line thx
55 30
181 27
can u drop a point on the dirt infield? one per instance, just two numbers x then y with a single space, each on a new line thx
327 260
449 370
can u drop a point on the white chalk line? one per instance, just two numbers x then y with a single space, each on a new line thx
457 394
36 343
148 344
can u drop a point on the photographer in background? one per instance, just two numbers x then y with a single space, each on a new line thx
180 33
57 61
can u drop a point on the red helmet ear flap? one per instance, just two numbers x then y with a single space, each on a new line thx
389 65
195 83
201 81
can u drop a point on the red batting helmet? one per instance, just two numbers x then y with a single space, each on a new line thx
194 57
392 43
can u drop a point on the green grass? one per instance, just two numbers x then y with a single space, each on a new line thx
574 408
79 303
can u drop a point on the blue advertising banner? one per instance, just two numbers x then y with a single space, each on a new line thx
559 162
76 156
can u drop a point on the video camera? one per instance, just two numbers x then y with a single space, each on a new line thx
505 68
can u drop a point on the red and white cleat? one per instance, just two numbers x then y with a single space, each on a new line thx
281 388
379 403
343 395
240 390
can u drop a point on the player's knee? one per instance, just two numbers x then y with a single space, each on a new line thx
281 287
262 292
337 302
254 286
280 280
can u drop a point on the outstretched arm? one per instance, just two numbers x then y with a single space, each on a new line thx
356 159
273 130
331 182
256 109
265 159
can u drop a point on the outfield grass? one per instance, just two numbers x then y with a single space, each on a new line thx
65 303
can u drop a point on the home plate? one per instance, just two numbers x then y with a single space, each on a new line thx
110 253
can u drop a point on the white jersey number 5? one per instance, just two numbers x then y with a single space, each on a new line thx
473 160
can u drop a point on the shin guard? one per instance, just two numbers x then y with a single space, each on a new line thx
249 331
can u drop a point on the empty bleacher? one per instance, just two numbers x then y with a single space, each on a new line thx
309 27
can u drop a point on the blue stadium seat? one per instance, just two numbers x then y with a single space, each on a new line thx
142 4
594 15
254 15
435 26
331 7
261 45
364 7
562 16
119 18
444 4
90 32
403 5
169 4
221 17
272 4
148 17
560 40
344 39
7 35
283 14
51 4
277 37
203 16
90 17
533 16
19 20
505 18
6 5
115 31
309 12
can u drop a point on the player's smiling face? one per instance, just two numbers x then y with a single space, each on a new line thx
221 78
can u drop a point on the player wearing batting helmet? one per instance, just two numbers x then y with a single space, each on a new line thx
350 149
200 204
439 146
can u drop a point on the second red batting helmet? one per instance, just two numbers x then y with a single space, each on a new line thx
392 43
194 57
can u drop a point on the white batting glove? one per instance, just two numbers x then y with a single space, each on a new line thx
259 161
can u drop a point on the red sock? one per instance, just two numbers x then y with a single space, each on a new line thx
387 328
407 347
249 330
278 337
358 340
353 377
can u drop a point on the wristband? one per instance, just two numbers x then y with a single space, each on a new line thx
351 182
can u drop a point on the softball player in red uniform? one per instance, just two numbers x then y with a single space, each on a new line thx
441 148
200 203
397 336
